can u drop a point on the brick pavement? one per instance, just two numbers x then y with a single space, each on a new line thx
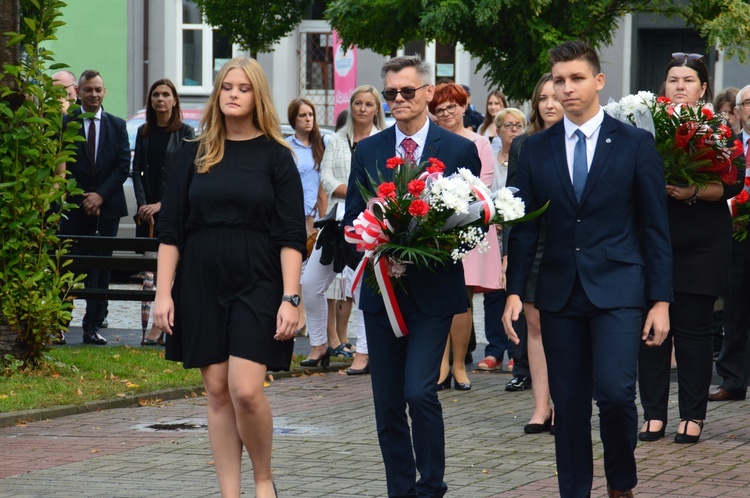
325 444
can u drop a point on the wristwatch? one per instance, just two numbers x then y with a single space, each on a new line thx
294 299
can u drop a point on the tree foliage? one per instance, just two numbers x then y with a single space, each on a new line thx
33 143
255 25
511 37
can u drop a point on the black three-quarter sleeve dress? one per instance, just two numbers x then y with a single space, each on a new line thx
230 225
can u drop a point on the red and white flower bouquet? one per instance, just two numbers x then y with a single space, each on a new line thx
693 141
423 218
740 207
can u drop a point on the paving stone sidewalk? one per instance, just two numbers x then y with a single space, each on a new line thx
325 446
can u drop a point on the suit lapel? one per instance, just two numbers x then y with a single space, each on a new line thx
603 146
561 160
432 144
386 150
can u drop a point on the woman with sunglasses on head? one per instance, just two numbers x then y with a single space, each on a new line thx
364 118
545 112
482 271
158 142
233 217
701 231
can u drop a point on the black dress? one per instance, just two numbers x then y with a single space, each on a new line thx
230 225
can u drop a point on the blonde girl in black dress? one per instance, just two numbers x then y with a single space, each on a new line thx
232 236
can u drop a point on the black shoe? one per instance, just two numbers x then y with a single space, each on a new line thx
93 337
58 339
446 384
684 437
324 360
358 371
519 383
649 435
538 428
462 386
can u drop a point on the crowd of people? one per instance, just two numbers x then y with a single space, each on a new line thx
588 302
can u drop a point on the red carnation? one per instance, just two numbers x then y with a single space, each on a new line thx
387 190
436 165
685 132
742 197
725 131
663 100
418 207
707 112
747 181
416 187
393 162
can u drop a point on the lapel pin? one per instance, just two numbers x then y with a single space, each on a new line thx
609 140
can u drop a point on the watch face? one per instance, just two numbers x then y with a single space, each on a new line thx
295 299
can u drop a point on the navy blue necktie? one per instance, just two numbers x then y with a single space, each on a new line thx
580 165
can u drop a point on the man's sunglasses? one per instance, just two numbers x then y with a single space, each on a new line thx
683 55
406 93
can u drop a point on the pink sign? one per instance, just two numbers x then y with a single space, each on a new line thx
344 74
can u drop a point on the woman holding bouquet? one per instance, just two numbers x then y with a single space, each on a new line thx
701 231
481 271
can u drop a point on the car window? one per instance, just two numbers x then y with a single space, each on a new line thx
132 125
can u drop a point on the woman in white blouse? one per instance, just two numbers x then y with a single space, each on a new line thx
365 118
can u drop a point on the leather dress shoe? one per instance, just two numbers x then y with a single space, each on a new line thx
57 339
518 383
614 493
538 428
93 337
723 395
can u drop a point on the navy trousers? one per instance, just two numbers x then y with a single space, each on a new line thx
593 352
404 373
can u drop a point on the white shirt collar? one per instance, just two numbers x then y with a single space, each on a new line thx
588 128
420 137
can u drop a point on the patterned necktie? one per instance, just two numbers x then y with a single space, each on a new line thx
409 146
91 139
580 165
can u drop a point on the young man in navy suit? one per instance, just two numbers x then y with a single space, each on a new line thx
607 259
405 370
101 167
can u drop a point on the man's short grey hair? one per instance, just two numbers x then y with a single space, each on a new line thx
424 69
740 98
68 73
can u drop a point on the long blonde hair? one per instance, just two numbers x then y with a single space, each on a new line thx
265 119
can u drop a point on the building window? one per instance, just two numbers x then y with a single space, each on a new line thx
202 50
316 72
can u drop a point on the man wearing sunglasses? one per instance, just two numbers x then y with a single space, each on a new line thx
404 371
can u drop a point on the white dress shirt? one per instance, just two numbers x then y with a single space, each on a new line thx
591 129
420 137
97 125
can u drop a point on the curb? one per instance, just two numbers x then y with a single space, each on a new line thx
9 419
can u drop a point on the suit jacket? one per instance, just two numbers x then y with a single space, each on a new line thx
616 240
437 291
111 168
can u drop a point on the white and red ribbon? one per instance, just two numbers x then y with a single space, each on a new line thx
367 233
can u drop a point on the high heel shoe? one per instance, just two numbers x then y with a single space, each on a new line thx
446 384
324 360
359 371
461 386
684 437
538 428
649 435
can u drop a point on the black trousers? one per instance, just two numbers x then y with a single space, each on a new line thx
690 318
732 365
78 223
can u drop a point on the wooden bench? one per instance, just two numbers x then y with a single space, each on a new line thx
128 254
